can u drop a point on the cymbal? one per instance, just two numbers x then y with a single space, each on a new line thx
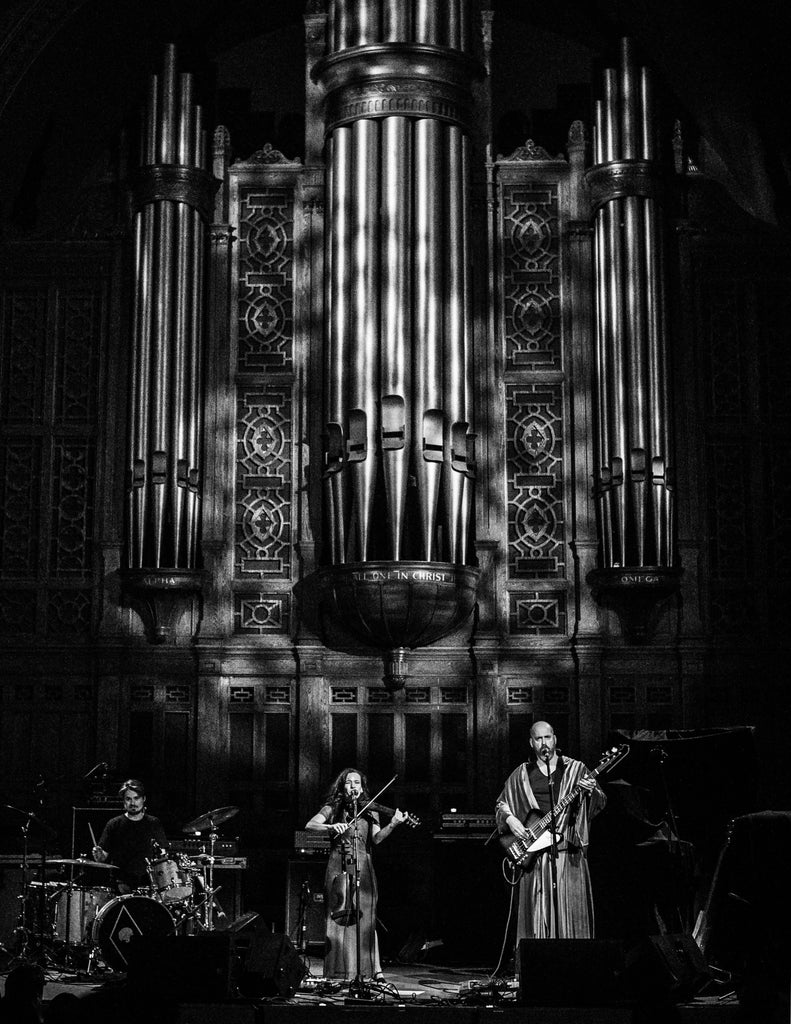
82 863
32 818
210 819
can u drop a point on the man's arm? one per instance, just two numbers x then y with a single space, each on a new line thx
100 851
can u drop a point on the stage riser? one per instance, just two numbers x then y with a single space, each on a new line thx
406 1014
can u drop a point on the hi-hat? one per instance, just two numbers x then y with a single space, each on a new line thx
211 819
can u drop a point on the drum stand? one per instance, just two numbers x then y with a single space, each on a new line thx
22 932
209 891
25 946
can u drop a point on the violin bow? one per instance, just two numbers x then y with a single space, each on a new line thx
373 799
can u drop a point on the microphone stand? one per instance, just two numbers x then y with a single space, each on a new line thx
553 849
357 987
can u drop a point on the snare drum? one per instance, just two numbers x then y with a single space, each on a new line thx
75 911
121 920
171 880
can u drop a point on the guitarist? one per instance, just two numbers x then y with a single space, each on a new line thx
526 798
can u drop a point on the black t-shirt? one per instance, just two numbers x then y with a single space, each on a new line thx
128 844
540 784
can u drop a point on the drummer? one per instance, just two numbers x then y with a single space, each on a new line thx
131 838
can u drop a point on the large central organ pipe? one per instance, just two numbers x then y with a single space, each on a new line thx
398 385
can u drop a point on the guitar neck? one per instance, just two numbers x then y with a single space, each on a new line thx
561 805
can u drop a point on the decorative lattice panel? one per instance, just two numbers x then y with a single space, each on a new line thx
20 508
266 303
77 357
263 483
73 476
726 377
51 344
538 613
534 459
24 351
259 614
531 276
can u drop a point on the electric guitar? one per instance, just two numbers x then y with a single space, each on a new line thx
539 836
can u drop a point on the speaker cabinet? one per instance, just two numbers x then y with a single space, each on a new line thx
570 972
305 916
271 966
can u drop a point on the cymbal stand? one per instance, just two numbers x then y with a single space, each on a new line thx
22 931
208 895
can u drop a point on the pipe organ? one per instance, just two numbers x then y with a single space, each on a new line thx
170 194
398 462
399 446
633 482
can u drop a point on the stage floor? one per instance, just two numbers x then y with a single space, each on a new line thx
419 992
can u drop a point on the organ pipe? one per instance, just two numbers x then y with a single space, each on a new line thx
398 441
170 194
633 488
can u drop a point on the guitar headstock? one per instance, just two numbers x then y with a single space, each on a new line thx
612 757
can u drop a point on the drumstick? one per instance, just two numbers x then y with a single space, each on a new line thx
93 837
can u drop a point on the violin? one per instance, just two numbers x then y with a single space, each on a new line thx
388 812
346 911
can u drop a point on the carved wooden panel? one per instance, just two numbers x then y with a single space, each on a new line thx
648 702
426 737
53 333
47 740
261 727
530 277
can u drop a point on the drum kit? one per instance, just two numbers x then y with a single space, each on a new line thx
73 923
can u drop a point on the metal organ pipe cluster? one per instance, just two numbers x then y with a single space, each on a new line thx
399 449
399 458
632 483
170 194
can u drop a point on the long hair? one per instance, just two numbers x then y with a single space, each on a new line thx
336 797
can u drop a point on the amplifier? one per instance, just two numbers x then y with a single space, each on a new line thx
193 845
230 862
311 842
468 822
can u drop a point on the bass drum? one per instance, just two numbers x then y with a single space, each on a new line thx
120 922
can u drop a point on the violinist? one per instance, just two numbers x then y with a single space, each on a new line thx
350 883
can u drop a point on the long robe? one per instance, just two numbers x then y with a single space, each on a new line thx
536 918
340 953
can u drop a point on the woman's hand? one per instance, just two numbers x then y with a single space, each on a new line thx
398 818
339 828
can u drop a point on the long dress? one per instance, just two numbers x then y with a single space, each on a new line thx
536 918
341 898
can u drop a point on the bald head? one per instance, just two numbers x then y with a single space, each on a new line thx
542 740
